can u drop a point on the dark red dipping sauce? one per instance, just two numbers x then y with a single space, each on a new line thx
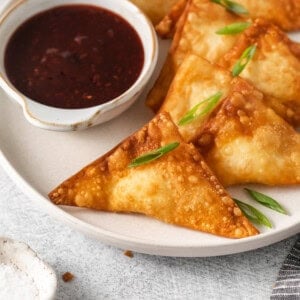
74 56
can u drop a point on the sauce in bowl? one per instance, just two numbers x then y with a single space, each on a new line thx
74 56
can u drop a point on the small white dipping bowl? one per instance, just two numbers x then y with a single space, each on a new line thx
51 118
21 257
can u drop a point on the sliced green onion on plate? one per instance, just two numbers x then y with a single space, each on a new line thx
253 214
266 201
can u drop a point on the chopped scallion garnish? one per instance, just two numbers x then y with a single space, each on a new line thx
243 60
207 106
234 28
155 154
266 201
253 214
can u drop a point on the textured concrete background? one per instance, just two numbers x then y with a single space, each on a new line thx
103 272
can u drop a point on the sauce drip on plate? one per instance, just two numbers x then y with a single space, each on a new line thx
74 56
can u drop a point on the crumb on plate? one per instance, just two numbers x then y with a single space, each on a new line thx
67 277
128 253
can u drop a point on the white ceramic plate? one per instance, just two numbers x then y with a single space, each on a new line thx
38 160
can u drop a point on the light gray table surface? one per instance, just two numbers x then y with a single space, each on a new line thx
104 272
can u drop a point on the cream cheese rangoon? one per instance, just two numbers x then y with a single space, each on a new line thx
178 188
195 80
274 69
196 34
243 140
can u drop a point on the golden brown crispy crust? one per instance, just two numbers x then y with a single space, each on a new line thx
245 141
155 9
177 188
196 80
195 34
166 27
283 13
274 69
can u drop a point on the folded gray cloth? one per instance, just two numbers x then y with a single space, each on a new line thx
287 285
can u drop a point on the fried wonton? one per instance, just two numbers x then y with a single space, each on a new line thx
244 141
274 69
195 33
196 80
177 188
284 13
155 9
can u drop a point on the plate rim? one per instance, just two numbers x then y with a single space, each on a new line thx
134 244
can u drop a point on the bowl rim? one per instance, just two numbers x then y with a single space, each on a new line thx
93 112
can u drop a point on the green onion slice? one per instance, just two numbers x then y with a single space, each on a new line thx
232 6
266 201
155 154
194 113
253 214
234 28
243 60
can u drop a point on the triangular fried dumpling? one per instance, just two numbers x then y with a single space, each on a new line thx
196 34
177 188
274 69
244 141
196 80
283 13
